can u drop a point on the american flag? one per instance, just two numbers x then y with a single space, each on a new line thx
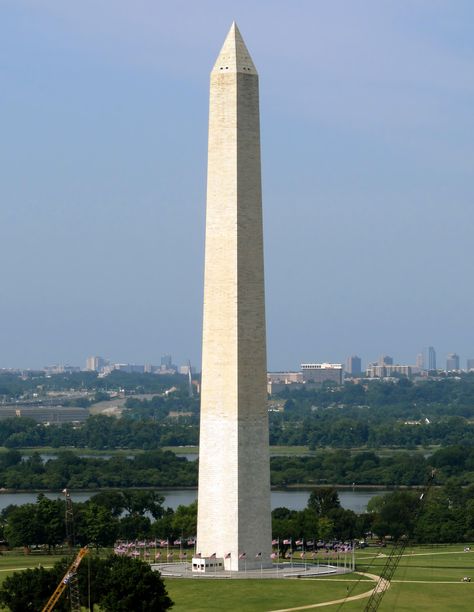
170 555
274 556
228 555
258 555
191 542
197 555
163 542
287 541
243 556
158 555
213 556
299 542
183 555
177 542
302 555
275 542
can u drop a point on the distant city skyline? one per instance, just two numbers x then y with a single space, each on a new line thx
367 156
352 364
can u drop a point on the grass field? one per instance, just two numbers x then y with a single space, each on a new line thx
427 578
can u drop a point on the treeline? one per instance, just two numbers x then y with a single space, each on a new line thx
368 468
351 428
446 396
151 469
165 469
114 584
377 414
447 516
176 426
98 522
14 386
100 432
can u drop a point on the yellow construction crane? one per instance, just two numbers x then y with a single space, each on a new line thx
68 580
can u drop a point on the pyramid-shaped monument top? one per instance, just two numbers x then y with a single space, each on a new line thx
234 55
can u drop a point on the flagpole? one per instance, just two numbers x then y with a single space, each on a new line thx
278 554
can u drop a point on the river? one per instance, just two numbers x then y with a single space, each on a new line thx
355 500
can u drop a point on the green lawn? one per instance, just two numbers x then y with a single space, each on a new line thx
252 595
14 561
430 564
436 572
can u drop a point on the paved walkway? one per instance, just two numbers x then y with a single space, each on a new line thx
277 571
425 554
383 586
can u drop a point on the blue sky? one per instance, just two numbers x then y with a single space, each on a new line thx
368 156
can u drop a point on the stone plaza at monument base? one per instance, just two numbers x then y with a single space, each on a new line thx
277 570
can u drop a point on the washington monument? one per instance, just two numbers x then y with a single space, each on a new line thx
234 520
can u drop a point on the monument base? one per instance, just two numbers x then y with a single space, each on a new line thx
205 565
211 565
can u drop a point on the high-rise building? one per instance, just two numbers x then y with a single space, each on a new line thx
385 360
452 362
420 361
234 518
322 372
354 365
166 361
383 371
95 364
470 365
431 358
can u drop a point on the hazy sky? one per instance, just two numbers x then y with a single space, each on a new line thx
368 176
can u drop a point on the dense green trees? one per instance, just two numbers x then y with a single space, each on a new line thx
99 522
447 516
163 469
30 590
99 432
35 385
431 412
40 523
116 584
153 469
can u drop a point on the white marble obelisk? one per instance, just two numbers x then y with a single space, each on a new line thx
234 475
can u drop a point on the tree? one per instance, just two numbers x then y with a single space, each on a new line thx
134 527
323 499
112 500
29 590
184 521
97 525
396 515
131 585
23 528
51 516
140 502
117 584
